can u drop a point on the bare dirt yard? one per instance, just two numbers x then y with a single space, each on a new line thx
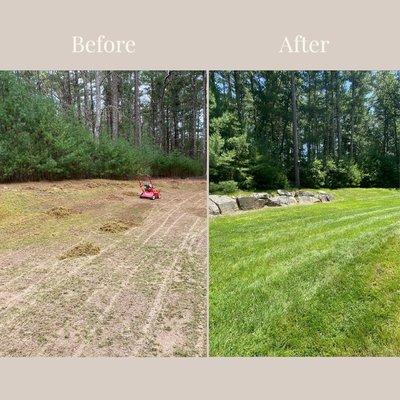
87 268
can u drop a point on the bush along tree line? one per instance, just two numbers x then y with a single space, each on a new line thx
107 124
277 129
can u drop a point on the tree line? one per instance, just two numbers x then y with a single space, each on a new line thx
273 129
64 124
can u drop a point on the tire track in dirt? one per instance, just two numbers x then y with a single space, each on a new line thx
188 332
116 296
30 289
147 227
201 343
154 232
127 284
158 301
30 269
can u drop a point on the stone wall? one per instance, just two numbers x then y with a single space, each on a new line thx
227 204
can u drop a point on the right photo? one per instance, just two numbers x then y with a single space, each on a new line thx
304 208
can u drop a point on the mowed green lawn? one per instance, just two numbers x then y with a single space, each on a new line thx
308 280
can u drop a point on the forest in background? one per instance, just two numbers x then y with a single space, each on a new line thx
107 124
278 129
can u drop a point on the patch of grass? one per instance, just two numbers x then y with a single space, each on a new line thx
312 280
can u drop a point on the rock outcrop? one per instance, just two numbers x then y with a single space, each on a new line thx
226 204
213 208
250 202
278 201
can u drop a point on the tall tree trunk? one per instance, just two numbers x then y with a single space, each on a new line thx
338 116
332 108
327 117
167 139
352 116
86 101
295 136
397 150
239 96
67 91
153 107
114 104
192 137
97 105
77 93
136 110
176 130
163 126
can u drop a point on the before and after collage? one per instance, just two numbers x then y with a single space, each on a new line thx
246 213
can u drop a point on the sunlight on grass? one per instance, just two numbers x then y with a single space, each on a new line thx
310 280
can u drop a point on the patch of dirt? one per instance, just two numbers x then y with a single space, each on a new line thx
130 193
141 292
60 212
113 196
29 188
93 184
105 183
115 226
81 250
199 212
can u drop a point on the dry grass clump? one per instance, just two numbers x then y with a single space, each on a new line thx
129 193
101 183
115 226
113 196
59 212
93 184
81 250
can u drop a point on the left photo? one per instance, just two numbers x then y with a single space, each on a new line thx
103 213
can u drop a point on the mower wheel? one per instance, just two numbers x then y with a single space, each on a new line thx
153 197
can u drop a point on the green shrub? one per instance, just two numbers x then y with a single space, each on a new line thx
268 176
314 174
213 187
388 175
174 164
225 187
343 174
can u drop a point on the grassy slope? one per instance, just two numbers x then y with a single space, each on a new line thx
308 280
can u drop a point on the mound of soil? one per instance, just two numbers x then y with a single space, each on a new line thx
81 250
60 212
114 226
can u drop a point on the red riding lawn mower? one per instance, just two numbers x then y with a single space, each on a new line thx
148 191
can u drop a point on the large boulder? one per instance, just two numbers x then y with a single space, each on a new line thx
279 201
213 208
225 204
261 196
324 197
304 199
305 193
250 202
284 193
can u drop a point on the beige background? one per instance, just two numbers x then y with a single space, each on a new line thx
200 34
199 379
